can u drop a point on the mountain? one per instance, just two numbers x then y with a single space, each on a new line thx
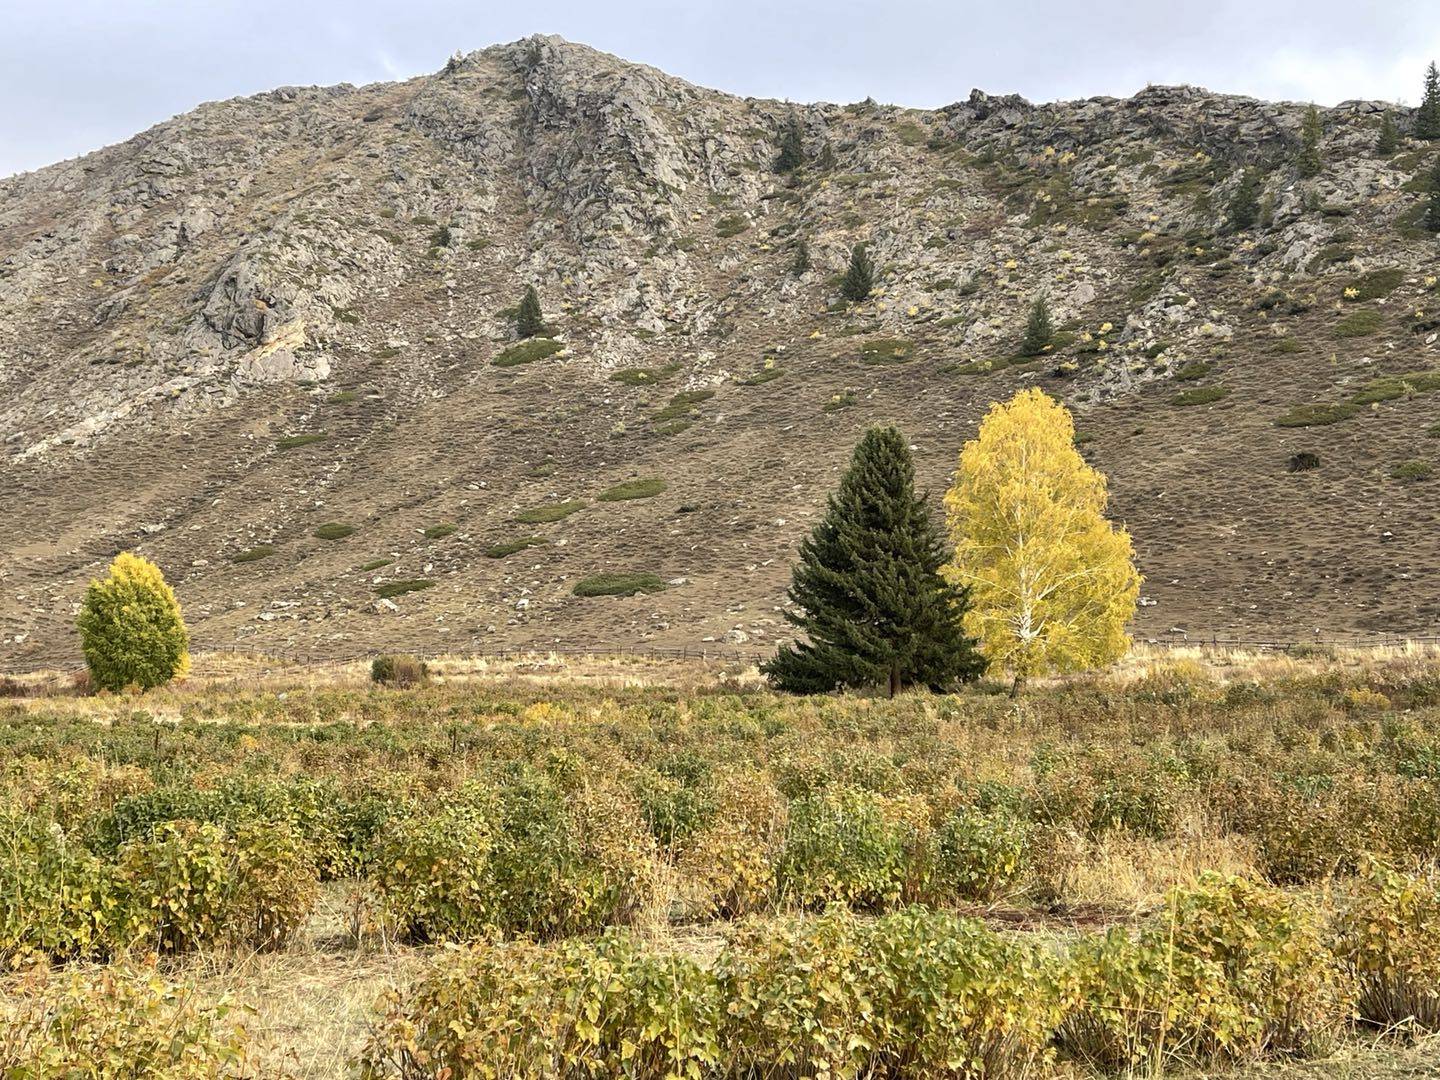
295 310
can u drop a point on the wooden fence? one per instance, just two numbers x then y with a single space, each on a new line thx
706 653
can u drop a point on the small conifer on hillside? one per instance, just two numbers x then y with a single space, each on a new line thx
1244 208
859 278
868 590
1427 117
1039 330
801 262
1431 220
792 145
529 321
826 161
1388 141
1309 163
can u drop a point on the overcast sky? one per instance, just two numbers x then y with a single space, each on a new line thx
79 74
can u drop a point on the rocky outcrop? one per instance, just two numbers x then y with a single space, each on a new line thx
280 311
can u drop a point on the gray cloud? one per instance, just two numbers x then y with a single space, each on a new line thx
78 74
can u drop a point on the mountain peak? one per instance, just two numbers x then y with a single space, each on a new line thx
293 309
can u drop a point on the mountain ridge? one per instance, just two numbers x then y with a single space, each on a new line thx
283 310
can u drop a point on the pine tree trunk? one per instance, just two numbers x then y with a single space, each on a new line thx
894 679
1017 686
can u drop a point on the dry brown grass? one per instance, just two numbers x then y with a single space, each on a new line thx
307 1009
1135 872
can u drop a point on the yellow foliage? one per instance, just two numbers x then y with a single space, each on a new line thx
1052 582
131 629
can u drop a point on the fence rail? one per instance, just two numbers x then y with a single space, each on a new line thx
707 653
1333 641
704 653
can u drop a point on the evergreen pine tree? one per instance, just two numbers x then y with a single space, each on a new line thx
1427 117
1038 328
529 322
860 277
871 599
792 145
1431 221
801 262
1308 163
1388 141
1244 208
826 161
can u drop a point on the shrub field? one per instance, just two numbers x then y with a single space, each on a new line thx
1187 868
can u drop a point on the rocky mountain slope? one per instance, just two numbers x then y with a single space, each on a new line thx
290 311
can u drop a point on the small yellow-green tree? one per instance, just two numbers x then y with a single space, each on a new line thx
131 629
1052 582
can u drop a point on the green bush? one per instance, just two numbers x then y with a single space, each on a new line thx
571 862
1309 829
254 554
399 669
56 898
1316 415
553 512
527 352
731 225
1412 470
915 993
633 489
529 319
761 377
618 584
577 1009
1039 330
190 886
858 281
294 442
1200 395
333 530
682 405
841 847
439 532
1229 972
1376 285
886 351
525 857
1359 324
401 586
1389 939
434 876
111 1025
977 855
510 547
337 830
131 629
1392 387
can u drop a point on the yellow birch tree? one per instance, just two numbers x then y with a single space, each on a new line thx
1052 582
